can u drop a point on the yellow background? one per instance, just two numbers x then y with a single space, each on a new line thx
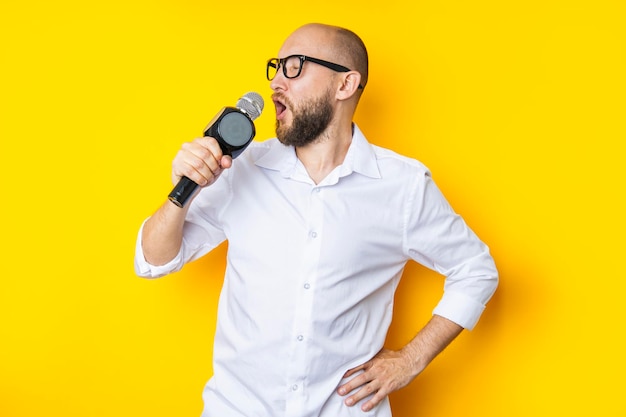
516 106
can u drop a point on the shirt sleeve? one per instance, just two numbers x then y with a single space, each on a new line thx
144 269
202 231
439 239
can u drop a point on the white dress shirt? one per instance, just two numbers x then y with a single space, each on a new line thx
312 270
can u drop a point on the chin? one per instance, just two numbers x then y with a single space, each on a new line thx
281 129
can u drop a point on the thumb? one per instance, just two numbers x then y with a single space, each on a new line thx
226 161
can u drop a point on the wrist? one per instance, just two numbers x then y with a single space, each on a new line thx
413 358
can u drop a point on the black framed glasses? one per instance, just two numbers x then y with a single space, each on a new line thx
292 66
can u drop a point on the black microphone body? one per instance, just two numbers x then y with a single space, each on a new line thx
233 128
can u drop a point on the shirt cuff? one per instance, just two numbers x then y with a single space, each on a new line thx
145 269
459 308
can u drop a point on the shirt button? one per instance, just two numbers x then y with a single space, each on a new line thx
307 286
300 338
294 387
313 235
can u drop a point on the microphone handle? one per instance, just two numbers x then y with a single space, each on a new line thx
183 190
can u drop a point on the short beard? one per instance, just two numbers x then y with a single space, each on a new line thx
308 122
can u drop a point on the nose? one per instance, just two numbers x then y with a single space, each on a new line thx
279 81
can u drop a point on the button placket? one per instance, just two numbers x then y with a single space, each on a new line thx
303 315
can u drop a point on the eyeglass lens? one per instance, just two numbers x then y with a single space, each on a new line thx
291 67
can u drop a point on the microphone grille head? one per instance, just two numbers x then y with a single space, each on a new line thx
251 103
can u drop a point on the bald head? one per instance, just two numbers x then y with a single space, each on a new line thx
339 45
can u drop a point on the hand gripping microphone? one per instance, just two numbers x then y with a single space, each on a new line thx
233 129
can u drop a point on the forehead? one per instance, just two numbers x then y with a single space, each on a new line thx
309 40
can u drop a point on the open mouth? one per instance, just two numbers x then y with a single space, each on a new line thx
280 107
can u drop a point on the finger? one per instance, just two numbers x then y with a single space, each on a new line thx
199 161
196 169
208 150
353 384
212 145
211 153
374 401
355 370
226 162
366 390
200 173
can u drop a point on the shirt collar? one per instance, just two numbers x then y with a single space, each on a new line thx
360 158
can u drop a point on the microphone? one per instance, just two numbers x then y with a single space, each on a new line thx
233 128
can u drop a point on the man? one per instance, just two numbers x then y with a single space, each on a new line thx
320 224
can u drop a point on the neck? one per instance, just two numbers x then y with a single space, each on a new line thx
325 153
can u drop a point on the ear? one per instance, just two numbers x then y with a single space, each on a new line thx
349 84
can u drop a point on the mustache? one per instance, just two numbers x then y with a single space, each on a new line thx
280 97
